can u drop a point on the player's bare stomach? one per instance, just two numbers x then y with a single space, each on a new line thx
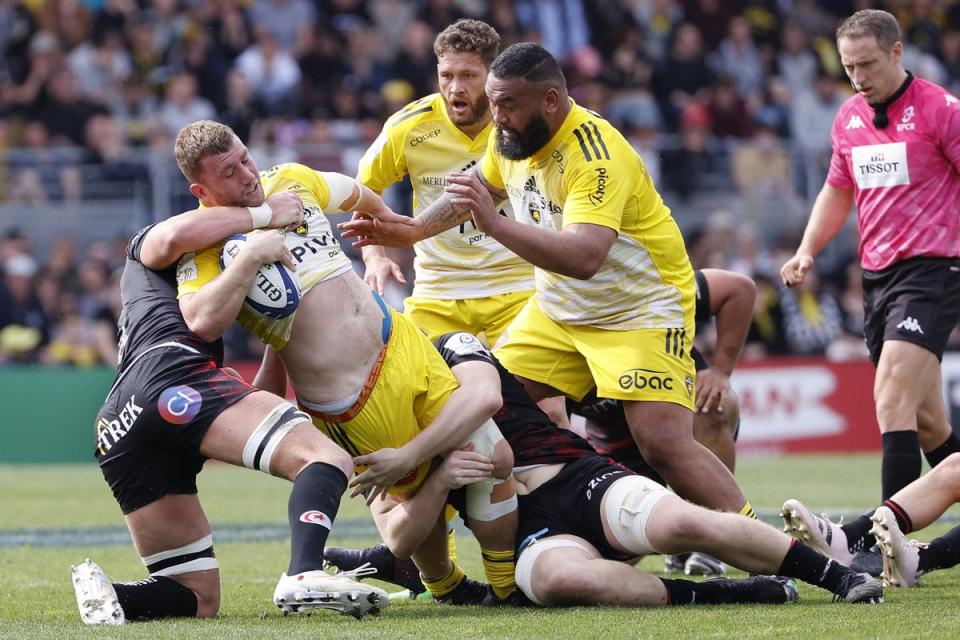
335 341
530 480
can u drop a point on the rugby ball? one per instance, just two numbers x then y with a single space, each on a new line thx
275 292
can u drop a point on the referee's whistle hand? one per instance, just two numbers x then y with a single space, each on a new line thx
794 270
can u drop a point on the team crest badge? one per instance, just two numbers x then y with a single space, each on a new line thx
535 215
301 230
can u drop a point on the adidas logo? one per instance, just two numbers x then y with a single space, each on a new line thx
531 185
910 324
856 122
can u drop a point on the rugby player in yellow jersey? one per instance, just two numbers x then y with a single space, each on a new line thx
465 279
614 304
371 380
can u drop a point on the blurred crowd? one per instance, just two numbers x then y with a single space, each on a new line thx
719 96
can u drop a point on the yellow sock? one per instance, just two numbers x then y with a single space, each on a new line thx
748 511
442 586
499 567
449 514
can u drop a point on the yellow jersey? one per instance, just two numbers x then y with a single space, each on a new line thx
315 249
589 173
462 262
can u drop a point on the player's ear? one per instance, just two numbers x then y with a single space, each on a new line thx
551 100
198 190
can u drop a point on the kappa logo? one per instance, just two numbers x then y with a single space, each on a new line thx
856 122
950 100
316 517
910 324
905 124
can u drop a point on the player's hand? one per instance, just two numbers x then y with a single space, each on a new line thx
795 269
468 191
287 209
380 269
265 246
464 466
387 229
713 386
384 467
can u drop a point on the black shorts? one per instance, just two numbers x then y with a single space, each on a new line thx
570 503
149 430
915 300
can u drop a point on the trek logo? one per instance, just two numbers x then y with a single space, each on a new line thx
596 198
855 123
910 324
187 268
180 404
905 124
596 481
316 517
880 165
645 379
109 432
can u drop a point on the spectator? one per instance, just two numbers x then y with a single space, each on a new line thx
272 72
812 119
812 318
738 58
100 66
797 64
684 77
181 104
289 22
65 112
23 325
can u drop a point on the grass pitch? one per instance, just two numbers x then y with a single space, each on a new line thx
53 516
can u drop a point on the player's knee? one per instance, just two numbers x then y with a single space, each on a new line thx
688 527
332 455
558 583
502 459
208 602
948 474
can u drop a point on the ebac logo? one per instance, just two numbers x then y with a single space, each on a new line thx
179 405
645 379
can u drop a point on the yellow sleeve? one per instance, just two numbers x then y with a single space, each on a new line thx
197 269
384 163
489 170
597 192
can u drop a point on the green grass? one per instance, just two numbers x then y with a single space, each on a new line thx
37 600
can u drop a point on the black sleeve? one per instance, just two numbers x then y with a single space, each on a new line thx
702 312
136 243
457 347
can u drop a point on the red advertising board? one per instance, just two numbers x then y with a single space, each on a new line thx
792 405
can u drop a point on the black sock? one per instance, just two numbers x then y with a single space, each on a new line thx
155 597
901 461
805 564
313 506
942 553
685 592
903 520
858 533
938 455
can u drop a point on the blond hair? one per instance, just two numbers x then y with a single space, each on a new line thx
469 36
199 140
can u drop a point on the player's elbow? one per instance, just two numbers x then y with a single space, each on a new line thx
489 401
205 327
587 265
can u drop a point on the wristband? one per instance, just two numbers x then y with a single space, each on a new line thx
260 216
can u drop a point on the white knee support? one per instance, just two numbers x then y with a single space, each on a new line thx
628 504
196 556
528 559
261 444
479 506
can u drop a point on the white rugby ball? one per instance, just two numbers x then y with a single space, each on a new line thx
275 292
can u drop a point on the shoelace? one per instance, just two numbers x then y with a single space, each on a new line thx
363 570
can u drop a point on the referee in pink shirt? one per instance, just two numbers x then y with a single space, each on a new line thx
896 154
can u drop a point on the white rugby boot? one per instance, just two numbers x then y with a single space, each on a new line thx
318 589
816 531
900 556
96 597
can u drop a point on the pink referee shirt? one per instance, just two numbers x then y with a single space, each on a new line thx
905 177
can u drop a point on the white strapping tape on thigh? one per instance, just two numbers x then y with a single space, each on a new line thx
179 561
261 444
479 506
528 558
484 439
627 506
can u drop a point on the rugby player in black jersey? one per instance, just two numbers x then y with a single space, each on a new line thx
174 405
582 515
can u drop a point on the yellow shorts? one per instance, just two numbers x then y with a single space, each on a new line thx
489 316
404 394
652 365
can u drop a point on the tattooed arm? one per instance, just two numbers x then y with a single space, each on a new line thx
402 231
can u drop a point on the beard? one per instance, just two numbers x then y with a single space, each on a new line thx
524 143
476 112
